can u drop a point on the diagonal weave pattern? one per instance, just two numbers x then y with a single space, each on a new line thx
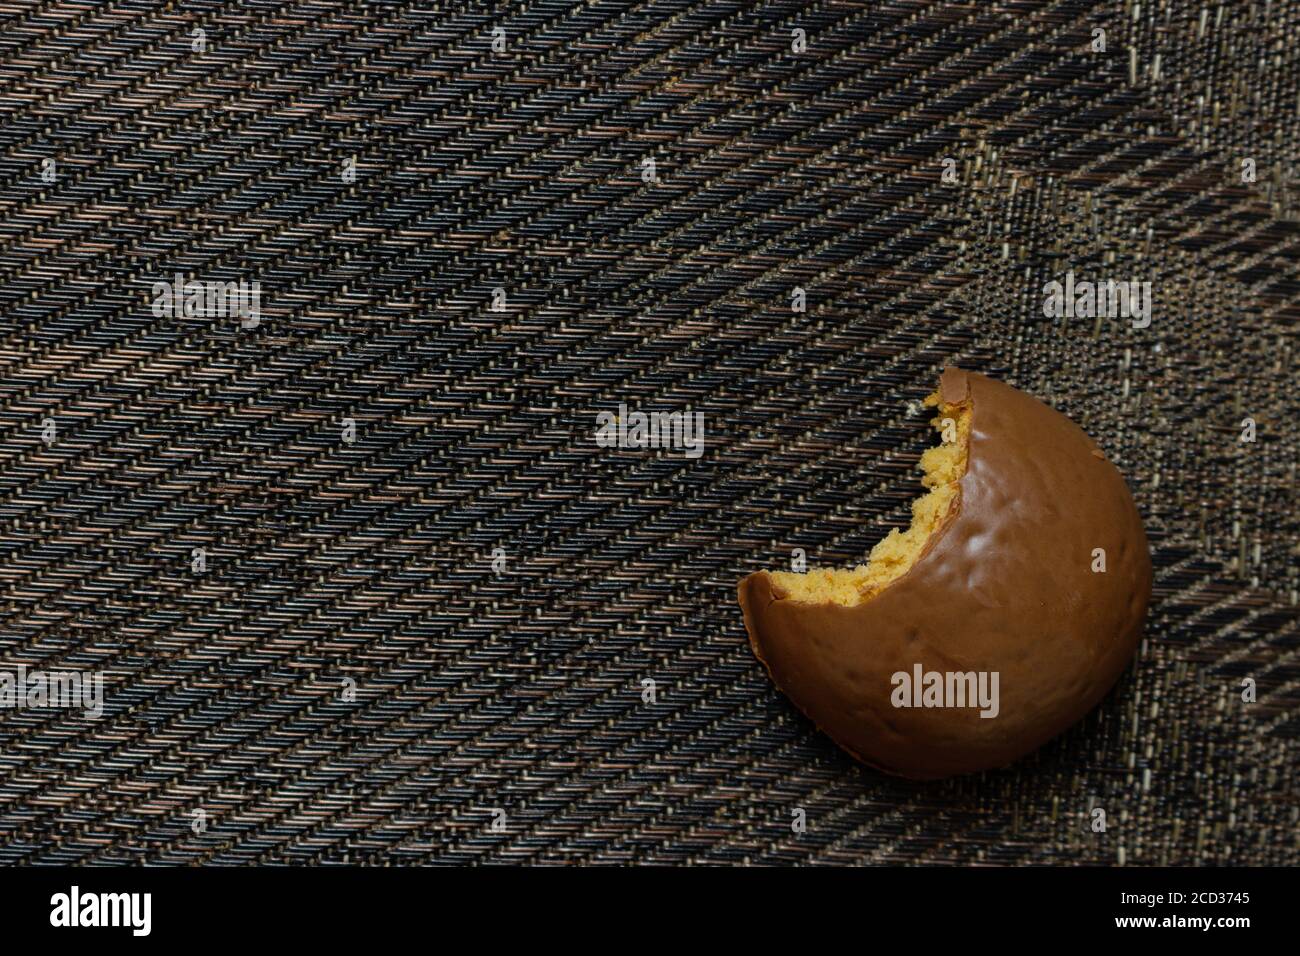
368 565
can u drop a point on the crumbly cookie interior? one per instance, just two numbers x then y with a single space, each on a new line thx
890 559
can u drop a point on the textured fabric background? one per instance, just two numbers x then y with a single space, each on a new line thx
520 691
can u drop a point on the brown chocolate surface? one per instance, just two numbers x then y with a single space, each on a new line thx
1005 585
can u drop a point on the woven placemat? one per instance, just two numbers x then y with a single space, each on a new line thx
360 582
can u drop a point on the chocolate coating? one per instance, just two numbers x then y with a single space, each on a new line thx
1004 584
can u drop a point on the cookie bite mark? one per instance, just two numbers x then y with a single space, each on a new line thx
943 467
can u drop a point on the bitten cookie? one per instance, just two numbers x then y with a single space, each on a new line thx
998 619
